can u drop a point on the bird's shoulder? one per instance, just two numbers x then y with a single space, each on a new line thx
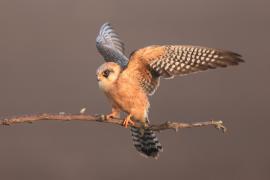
146 54
141 58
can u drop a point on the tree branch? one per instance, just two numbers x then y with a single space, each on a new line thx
101 118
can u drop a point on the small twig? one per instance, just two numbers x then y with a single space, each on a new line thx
101 118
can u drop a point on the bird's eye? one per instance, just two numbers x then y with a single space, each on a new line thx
106 73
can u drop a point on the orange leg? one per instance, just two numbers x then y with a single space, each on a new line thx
128 121
114 114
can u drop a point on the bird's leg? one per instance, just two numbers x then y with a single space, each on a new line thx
114 114
144 125
128 121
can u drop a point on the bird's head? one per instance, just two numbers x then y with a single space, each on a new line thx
107 74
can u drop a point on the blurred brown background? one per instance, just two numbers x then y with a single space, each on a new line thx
48 61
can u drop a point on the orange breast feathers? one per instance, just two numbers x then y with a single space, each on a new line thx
128 96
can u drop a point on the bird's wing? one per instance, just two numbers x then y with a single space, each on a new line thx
110 46
151 62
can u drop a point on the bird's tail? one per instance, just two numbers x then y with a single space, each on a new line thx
146 142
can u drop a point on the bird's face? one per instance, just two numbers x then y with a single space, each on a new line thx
107 74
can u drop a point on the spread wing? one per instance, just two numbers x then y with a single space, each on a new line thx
110 46
152 62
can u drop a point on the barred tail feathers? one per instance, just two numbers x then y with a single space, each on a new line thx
147 143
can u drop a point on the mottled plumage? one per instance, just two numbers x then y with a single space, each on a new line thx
127 84
167 61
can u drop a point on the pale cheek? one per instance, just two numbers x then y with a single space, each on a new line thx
112 78
103 85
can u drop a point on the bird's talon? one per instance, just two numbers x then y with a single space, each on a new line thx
128 122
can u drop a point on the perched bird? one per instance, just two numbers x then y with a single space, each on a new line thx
127 82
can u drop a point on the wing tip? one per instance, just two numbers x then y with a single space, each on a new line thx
105 24
232 58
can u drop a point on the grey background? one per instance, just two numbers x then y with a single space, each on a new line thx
48 61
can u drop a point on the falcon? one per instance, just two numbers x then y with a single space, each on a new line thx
128 82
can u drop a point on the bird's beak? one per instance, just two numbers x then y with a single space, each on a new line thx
98 78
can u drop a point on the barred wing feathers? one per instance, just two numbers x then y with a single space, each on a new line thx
110 46
156 61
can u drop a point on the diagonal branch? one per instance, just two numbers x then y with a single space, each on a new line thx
101 118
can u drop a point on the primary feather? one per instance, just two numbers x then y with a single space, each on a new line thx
110 46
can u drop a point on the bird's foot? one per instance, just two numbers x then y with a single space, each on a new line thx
144 125
128 122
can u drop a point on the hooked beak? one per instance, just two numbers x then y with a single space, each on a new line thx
98 78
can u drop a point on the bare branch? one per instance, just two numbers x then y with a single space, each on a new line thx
101 118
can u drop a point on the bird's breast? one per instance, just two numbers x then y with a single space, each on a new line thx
127 95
